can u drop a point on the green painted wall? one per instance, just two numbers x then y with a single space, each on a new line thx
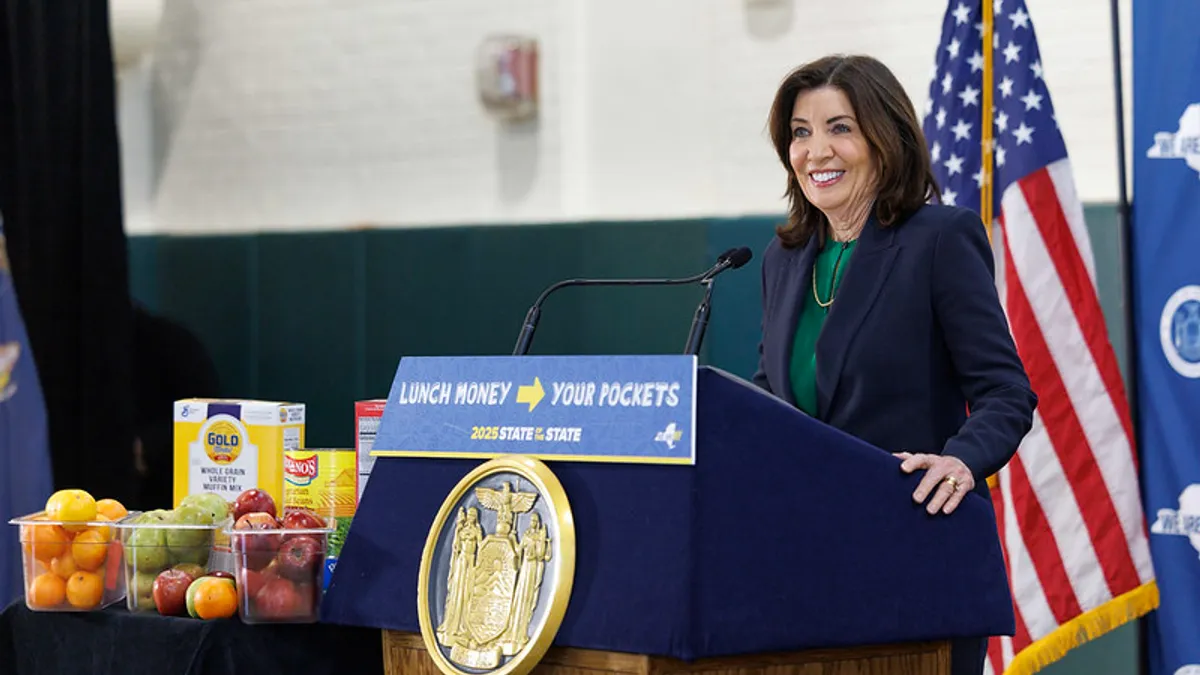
324 318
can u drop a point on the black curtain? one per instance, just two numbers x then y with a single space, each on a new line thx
60 196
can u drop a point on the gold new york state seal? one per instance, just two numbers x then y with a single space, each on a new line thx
497 569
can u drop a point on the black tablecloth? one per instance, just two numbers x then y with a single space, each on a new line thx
116 642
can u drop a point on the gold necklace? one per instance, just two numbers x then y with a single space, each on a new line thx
832 278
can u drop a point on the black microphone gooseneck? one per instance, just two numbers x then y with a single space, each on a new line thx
734 259
730 259
699 321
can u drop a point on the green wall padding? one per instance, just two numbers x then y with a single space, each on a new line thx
208 283
737 298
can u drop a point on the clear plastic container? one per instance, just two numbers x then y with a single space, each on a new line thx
279 573
70 566
152 545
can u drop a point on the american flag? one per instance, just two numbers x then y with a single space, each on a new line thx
1068 506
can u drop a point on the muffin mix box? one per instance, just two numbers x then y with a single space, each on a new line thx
227 446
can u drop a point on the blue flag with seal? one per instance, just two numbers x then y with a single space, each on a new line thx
25 473
628 409
1166 280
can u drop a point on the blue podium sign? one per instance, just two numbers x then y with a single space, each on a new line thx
631 409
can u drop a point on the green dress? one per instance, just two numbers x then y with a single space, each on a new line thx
832 260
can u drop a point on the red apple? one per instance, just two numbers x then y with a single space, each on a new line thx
256 520
251 582
278 599
302 519
255 550
307 604
253 501
300 557
222 574
170 592
271 571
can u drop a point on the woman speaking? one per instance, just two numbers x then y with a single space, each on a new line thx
880 311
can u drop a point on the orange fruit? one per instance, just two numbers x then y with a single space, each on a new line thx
111 508
71 506
64 566
45 542
47 590
89 550
85 590
216 599
104 530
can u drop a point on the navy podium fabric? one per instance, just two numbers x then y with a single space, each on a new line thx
787 534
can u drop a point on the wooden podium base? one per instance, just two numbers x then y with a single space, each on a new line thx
404 654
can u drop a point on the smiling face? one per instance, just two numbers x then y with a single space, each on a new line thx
831 157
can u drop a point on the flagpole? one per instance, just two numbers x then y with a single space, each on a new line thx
986 202
1123 222
1126 243
985 134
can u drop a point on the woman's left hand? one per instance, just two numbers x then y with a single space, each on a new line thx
947 478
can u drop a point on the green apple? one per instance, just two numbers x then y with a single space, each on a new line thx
192 589
190 598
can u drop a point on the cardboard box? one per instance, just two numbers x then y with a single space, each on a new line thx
366 422
228 446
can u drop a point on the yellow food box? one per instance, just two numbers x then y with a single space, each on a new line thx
227 446
324 480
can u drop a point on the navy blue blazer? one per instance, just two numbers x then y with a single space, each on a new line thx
916 333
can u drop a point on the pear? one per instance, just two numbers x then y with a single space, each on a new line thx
147 547
193 570
143 583
214 505
156 516
197 555
184 540
141 590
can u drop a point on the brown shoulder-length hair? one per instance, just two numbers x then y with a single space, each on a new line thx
888 121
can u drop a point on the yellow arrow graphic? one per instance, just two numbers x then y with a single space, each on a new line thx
531 393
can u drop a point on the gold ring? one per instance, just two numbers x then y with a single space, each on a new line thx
952 481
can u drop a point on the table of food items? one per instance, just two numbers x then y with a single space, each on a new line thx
252 538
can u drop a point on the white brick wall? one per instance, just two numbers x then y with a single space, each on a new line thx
289 114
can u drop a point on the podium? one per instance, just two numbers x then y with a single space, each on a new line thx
787 546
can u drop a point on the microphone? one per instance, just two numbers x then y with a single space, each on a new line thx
731 259
734 258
